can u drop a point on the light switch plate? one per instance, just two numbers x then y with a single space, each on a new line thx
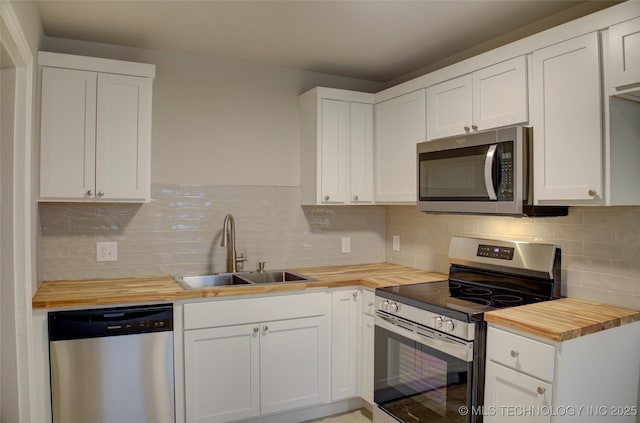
106 251
396 243
346 244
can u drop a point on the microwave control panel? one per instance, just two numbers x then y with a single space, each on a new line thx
505 156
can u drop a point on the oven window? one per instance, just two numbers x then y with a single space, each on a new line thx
416 383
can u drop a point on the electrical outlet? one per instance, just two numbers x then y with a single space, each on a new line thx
396 243
346 244
106 251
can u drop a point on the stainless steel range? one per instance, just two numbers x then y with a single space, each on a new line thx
430 337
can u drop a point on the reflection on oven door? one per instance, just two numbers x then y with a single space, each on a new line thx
416 383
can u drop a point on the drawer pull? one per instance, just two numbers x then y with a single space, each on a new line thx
514 353
541 390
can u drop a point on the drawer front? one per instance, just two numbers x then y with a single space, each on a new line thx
217 313
520 353
368 302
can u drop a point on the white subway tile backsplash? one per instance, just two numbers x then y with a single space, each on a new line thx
179 232
600 245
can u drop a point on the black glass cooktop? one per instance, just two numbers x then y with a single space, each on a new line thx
465 301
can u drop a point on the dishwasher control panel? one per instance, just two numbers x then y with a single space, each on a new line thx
96 323
136 327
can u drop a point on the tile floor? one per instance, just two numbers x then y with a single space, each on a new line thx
358 416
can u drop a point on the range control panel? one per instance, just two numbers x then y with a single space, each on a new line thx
496 252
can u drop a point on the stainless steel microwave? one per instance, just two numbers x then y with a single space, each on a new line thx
482 173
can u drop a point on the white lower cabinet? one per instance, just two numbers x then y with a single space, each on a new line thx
506 389
222 372
345 344
275 359
294 364
367 346
591 378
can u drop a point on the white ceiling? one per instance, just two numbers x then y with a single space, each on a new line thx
374 40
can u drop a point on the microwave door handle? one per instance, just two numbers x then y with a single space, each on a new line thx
488 172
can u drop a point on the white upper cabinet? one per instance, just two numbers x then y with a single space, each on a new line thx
449 107
67 133
95 130
488 98
400 125
567 122
337 147
624 54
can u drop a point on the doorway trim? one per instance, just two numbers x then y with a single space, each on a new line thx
23 206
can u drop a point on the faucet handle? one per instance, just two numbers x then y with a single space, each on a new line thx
261 266
241 257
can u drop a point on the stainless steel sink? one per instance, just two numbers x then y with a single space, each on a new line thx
210 281
272 277
241 278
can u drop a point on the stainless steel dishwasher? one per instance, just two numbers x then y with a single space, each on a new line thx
112 365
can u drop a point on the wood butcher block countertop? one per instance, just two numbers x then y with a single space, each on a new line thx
557 320
562 319
107 292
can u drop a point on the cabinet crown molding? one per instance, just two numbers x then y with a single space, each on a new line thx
96 64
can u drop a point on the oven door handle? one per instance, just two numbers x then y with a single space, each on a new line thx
430 338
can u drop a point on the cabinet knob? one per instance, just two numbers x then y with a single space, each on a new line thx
466 128
89 193
355 197
100 194
541 390
592 193
514 353
474 127
256 329
326 198
355 295
265 328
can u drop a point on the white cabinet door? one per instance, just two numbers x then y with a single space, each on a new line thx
222 373
624 53
123 145
449 107
506 388
334 151
500 95
345 344
488 98
67 133
567 122
95 136
400 125
367 363
336 147
294 363
361 153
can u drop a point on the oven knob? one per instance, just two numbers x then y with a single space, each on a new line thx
437 322
448 325
393 307
385 305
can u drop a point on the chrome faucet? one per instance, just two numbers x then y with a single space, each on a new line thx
229 241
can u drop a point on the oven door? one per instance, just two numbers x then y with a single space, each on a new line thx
421 375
